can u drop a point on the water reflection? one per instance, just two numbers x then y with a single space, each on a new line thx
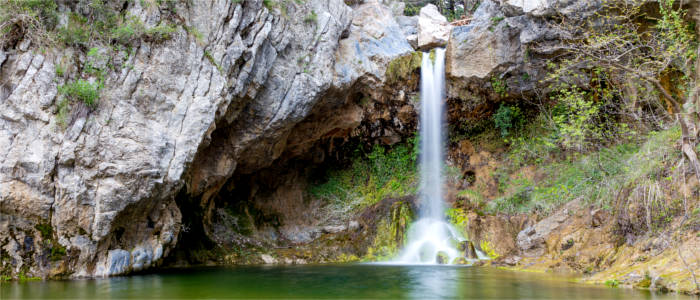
328 281
431 282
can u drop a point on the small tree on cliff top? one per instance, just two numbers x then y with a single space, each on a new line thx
632 53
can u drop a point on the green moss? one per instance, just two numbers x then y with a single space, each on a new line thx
390 233
458 217
57 251
45 230
23 277
487 248
401 68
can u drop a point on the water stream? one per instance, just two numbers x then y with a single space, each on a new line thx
431 237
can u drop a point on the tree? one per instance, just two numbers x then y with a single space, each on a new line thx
637 53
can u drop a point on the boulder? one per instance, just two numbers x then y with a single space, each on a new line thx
468 250
460 261
433 28
442 258
532 241
467 45
268 259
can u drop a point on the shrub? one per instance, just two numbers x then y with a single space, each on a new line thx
76 31
159 33
499 86
34 19
384 172
82 90
507 118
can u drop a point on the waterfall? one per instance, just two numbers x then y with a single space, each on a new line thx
431 236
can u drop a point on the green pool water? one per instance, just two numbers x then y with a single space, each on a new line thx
325 281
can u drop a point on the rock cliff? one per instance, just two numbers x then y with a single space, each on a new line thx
238 85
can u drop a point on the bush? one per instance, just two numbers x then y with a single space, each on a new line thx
159 33
82 90
499 86
384 172
507 118
76 31
31 18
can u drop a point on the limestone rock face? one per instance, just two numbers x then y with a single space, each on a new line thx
175 118
502 53
433 28
468 57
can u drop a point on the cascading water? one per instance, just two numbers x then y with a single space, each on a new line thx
431 236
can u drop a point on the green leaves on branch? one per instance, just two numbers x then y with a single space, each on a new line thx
507 118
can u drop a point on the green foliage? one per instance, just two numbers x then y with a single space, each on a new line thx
595 178
370 178
128 31
574 118
269 4
533 144
495 21
612 283
75 32
507 118
311 17
82 90
32 18
499 86
60 71
487 248
45 230
411 9
213 61
401 68
57 252
391 233
23 277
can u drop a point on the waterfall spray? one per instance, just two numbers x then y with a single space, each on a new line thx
431 236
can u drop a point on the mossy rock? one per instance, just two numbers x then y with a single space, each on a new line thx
401 68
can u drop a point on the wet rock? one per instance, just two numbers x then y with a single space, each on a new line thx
442 258
468 250
268 259
460 261
433 28
658 283
512 260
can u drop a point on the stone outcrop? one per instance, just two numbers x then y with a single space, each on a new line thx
237 88
433 28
